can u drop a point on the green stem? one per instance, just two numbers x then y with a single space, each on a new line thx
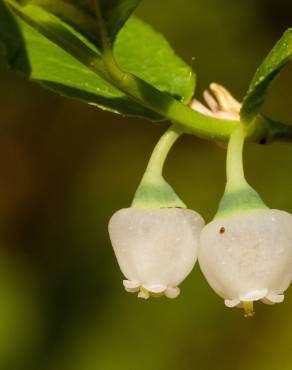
154 191
192 122
163 104
239 196
107 52
156 162
234 164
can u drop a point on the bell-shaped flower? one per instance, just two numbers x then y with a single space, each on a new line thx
155 248
247 256
156 240
246 251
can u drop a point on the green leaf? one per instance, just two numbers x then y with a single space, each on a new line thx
29 52
115 13
10 39
81 15
277 59
56 30
44 61
138 48
145 53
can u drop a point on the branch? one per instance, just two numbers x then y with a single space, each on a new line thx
263 130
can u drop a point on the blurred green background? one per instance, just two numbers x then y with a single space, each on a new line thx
65 168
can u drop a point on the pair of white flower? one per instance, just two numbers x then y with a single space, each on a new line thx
246 255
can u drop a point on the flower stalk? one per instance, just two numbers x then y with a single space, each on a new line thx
156 163
239 195
234 163
154 191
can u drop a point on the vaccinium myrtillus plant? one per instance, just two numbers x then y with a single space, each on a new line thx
94 50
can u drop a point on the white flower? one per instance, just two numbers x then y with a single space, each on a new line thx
247 256
155 248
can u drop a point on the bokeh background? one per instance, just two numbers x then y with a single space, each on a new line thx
65 168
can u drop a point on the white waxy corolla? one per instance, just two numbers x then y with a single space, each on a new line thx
155 248
247 256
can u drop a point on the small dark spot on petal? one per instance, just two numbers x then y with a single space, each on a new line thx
263 141
222 230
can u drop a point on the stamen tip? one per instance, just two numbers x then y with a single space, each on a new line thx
248 309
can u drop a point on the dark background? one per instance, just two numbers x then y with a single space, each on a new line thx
65 168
